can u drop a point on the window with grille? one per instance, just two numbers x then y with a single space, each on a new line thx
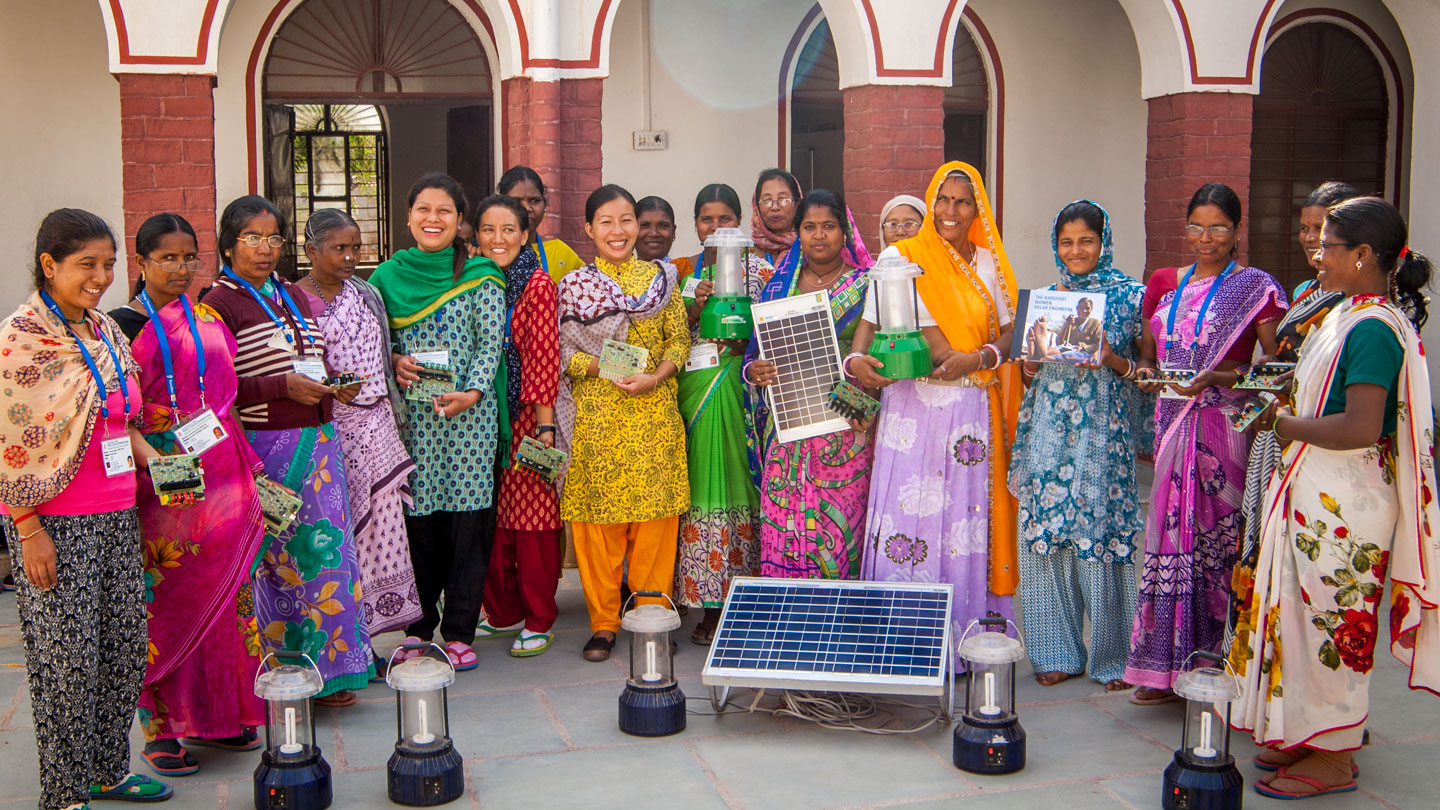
1323 114
340 162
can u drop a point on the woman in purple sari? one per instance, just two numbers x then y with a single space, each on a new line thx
203 641
1207 327
377 468
307 583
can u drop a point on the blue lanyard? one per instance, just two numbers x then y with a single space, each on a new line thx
265 305
1204 307
540 249
90 361
164 342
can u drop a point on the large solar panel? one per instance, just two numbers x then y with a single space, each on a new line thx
797 334
880 637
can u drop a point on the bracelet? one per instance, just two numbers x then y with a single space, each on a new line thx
745 372
1275 428
16 518
845 364
998 358
25 537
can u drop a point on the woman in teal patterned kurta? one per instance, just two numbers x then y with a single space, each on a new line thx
1072 471
447 309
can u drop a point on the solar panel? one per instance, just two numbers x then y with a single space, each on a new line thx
798 336
880 637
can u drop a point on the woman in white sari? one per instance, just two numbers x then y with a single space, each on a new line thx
1352 500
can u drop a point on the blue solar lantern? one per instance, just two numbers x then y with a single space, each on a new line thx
1203 775
652 704
292 774
989 739
425 768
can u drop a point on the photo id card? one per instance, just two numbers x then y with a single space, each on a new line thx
312 367
116 455
688 291
703 356
202 432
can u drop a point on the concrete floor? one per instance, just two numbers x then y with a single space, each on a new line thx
541 733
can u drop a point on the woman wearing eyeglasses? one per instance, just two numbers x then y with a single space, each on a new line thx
1205 326
307 586
772 213
901 218
197 556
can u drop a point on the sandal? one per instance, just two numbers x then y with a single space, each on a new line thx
1273 767
406 655
1150 696
702 635
1054 677
169 758
247 740
135 788
337 700
461 655
1118 685
487 630
8 584
1321 789
598 648
528 644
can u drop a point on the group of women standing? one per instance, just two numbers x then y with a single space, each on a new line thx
411 513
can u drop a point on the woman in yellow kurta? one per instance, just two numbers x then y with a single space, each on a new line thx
626 484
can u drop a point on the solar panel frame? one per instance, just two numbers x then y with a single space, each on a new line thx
797 334
840 608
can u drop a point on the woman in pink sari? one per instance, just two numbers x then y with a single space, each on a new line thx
204 646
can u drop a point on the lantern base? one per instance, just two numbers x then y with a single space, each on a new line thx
652 711
726 317
905 355
299 784
989 746
1193 785
425 778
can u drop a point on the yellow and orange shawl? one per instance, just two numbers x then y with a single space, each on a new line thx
962 305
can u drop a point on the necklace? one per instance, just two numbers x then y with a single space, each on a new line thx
80 320
310 277
825 281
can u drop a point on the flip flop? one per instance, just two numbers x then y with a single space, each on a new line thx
1321 789
406 655
520 650
247 740
487 630
1118 685
462 656
135 788
1262 765
1160 697
8 584
167 764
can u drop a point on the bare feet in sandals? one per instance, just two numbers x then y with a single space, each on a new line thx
1118 685
1316 774
1052 678
704 631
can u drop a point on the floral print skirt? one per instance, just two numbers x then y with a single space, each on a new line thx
307 588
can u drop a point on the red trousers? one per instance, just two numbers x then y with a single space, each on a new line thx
520 585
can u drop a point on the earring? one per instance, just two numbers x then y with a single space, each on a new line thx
1359 266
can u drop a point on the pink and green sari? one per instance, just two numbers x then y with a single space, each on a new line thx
204 646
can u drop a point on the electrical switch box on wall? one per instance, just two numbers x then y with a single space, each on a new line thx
649 139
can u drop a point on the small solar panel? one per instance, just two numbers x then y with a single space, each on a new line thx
798 336
881 637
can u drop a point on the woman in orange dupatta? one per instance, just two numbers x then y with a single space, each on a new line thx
939 508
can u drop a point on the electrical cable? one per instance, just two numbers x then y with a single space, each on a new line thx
842 711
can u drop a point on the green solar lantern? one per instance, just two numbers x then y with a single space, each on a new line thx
726 315
898 344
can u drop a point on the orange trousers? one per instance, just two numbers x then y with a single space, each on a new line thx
601 550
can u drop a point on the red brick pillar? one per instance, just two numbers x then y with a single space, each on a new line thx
894 142
1194 139
554 128
167 146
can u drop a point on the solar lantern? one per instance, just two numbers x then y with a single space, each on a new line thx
989 739
652 704
425 768
1203 775
898 343
292 774
726 315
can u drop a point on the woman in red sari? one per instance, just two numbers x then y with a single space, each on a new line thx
204 647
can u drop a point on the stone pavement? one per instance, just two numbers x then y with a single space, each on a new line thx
541 733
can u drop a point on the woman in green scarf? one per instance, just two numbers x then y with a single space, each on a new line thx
447 320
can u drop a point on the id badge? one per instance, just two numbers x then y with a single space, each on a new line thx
703 356
434 357
279 341
116 455
202 432
690 284
312 367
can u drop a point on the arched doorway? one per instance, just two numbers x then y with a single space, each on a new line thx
1323 113
817 109
363 96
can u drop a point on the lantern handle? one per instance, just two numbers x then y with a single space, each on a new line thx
625 608
988 622
1215 658
279 654
416 645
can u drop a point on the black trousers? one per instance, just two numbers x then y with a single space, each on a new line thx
450 552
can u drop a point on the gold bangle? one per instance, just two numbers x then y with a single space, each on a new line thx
25 537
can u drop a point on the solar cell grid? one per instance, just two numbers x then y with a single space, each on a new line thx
798 336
